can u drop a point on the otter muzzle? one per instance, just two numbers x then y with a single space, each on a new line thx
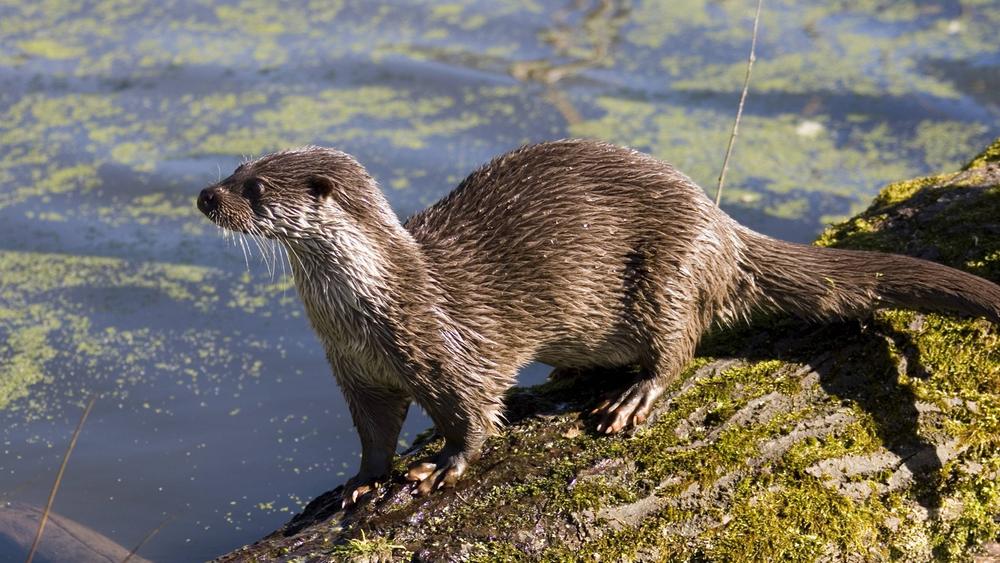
208 200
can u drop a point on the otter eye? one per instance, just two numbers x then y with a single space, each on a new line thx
253 189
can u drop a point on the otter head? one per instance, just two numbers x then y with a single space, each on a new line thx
294 195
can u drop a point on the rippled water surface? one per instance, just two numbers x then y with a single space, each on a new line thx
216 410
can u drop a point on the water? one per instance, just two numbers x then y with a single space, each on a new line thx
216 410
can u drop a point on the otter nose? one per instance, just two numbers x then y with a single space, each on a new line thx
208 200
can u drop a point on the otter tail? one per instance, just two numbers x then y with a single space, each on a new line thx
823 283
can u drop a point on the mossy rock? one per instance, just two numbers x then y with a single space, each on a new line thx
861 441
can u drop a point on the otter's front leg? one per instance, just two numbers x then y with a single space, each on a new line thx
464 420
378 414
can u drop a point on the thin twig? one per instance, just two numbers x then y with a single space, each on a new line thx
148 537
739 111
58 481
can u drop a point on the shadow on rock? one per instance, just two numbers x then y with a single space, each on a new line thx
855 364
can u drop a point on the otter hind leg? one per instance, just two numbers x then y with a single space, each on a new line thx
669 353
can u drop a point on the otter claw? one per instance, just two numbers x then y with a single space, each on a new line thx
420 471
440 479
351 495
431 476
604 404
630 409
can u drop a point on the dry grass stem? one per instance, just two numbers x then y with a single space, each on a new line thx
58 481
739 110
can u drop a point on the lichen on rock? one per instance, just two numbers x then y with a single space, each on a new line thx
868 440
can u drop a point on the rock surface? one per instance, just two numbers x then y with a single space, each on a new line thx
854 441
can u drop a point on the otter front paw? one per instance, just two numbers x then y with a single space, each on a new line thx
442 471
355 488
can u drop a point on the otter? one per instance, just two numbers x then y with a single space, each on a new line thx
575 253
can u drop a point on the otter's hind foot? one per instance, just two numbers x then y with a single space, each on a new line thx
441 471
629 409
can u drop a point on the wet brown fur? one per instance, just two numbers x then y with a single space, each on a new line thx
573 253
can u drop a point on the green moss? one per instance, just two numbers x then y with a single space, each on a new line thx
855 438
596 492
991 154
977 502
372 549
964 360
720 395
899 192
798 520
625 543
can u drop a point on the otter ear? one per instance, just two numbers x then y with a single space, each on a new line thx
320 186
